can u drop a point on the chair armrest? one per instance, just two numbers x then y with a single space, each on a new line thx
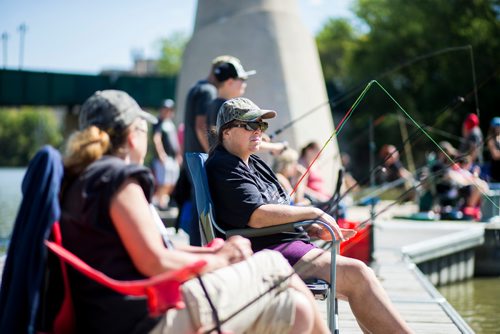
261 232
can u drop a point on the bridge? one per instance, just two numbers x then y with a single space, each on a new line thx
30 88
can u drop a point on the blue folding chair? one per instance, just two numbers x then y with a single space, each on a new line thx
209 230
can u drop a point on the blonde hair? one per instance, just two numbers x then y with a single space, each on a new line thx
84 147
285 159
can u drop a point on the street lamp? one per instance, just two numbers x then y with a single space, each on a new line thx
5 37
22 31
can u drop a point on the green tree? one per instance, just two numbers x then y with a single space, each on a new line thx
23 132
399 47
171 50
336 44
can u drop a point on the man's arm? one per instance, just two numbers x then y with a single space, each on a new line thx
200 128
278 214
160 150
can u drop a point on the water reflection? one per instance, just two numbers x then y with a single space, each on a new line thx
477 301
10 197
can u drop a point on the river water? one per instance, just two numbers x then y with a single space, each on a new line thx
477 300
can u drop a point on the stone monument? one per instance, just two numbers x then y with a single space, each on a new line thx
268 36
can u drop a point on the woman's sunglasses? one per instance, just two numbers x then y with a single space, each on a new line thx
252 126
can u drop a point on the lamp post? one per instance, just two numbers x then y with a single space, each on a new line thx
22 31
5 38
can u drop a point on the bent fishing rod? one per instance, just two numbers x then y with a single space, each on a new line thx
349 114
455 103
345 96
458 101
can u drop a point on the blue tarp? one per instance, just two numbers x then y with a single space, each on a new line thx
26 256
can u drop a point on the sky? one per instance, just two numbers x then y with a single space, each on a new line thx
87 36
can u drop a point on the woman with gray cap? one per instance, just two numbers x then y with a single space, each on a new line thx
247 194
107 221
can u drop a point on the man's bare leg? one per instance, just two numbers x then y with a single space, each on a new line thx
357 284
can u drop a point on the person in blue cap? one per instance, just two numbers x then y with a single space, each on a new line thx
168 155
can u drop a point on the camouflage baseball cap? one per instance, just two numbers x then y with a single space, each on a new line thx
241 109
111 109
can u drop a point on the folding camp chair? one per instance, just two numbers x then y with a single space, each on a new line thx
26 262
210 230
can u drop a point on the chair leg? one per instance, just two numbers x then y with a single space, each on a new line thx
332 305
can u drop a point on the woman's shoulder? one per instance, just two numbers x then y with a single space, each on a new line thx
220 157
110 172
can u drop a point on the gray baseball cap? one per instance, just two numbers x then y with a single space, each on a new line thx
241 109
111 109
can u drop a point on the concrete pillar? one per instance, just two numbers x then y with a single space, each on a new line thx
268 36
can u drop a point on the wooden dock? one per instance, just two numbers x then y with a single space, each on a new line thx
418 301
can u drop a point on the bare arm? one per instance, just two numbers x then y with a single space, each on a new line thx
201 131
160 150
494 151
277 214
143 242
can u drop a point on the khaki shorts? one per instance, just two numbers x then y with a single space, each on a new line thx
231 288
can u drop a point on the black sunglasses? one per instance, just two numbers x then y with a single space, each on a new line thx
252 126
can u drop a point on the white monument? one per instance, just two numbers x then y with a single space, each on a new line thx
268 36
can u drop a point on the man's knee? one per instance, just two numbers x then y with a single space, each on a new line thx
357 273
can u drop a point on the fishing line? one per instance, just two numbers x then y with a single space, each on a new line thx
380 166
334 134
345 96
420 128
435 143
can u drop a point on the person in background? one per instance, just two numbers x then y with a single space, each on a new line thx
493 143
393 170
349 183
467 174
247 194
198 100
231 82
288 172
168 155
315 186
471 143
107 221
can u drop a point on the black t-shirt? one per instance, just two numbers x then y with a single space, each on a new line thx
169 140
198 99
89 233
237 190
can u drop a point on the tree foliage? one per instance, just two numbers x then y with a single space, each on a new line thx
23 132
419 51
171 50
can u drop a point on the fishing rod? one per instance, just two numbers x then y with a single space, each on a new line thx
455 103
340 126
422 130
459 100
345 96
